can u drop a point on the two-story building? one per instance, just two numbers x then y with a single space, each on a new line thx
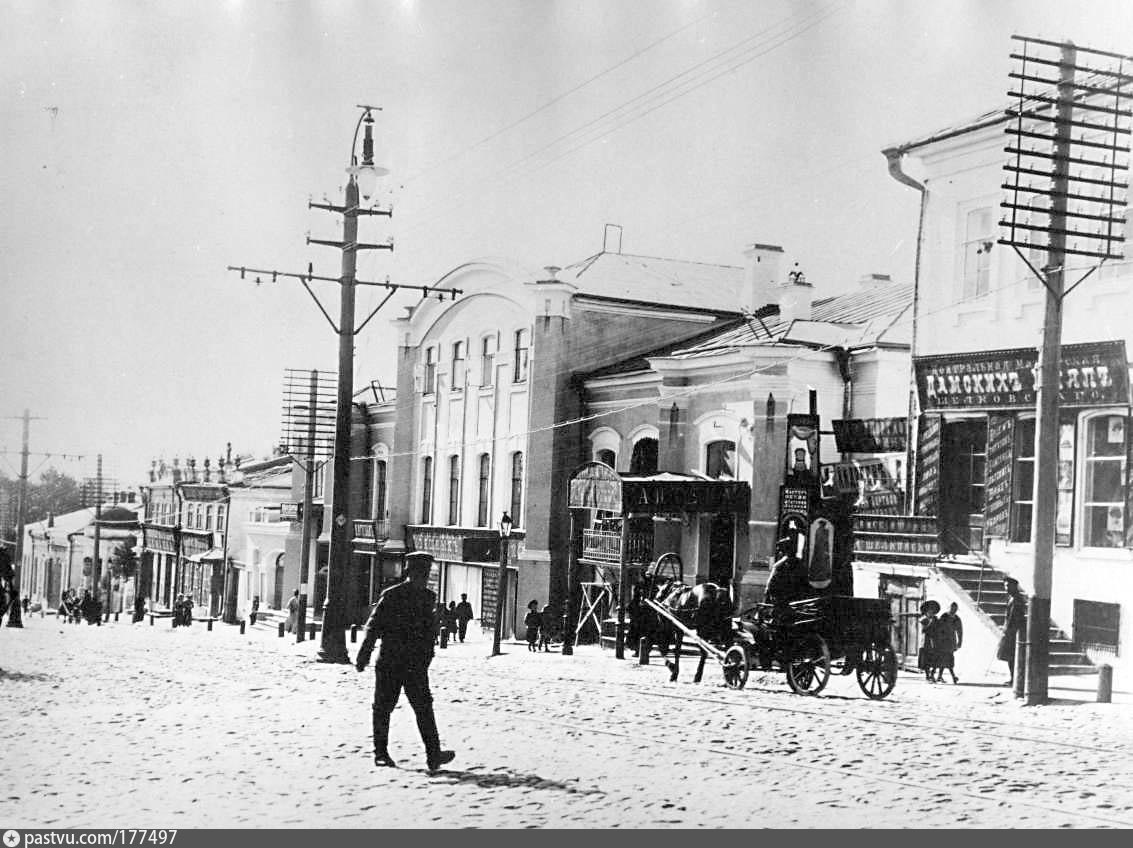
979 318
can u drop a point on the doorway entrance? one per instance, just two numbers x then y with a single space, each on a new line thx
722 548
963 474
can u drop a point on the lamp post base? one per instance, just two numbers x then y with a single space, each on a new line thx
333 647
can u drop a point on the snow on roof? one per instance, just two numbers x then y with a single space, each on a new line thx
649 279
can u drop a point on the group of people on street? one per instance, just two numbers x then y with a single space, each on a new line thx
74 609
453 620
942 637
540 626
183 611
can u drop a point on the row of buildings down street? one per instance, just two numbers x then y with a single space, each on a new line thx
678 376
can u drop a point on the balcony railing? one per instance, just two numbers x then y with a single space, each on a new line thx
606 546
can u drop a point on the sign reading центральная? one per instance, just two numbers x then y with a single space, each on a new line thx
1092 374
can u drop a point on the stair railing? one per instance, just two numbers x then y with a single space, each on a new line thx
981 555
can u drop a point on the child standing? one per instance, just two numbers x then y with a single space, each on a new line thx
532 621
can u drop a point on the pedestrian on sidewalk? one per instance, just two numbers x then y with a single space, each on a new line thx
405 620
255 609
463 616
442 625
450 620
951 638
928 658
292 613
532 621
547 620
1014 619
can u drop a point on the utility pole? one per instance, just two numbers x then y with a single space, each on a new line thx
96 566
333 645
15 619
1094 208
305 525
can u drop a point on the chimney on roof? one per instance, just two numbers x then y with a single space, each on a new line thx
874 281
796 297
761 276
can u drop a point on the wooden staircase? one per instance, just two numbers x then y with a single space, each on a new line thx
984 585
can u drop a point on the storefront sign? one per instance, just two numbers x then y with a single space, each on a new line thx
928 464
193 545
997 486
290 511
686 496
1092 374
157 539
596 486
871 435
191 492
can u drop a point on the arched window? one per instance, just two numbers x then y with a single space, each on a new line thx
380 489
482 500
644 458
427 490
208 517
609 457
720 460
454 490
220 518
517 489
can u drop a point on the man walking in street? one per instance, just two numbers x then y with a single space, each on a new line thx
463 616
405 620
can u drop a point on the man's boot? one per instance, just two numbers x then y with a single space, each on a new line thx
435 756
381 740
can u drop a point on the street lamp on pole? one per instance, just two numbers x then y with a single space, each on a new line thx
501 582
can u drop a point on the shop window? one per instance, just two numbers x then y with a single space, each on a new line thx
522 351
380 489
454 490
488 360
427 490
979 236
457 370
430 370
644 457
1103 494
1096 624
608 457
1064 520
517 488
720 460
482 498
1023 480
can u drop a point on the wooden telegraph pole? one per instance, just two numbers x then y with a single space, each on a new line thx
1093 220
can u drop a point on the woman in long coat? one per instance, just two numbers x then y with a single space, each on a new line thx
293 613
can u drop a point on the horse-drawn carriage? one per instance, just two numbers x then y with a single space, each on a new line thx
807 640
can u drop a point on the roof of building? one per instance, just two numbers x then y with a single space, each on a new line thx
68 522
651 280
869 317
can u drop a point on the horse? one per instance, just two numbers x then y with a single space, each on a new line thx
706 609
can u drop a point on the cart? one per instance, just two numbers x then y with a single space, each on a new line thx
811 639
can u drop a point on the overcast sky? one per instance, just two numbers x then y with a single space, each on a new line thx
141 152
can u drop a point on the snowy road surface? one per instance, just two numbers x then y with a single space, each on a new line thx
136 726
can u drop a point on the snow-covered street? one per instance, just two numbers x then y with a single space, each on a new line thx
138 726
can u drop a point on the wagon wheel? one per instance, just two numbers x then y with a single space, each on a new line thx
735 667
808 667
877 671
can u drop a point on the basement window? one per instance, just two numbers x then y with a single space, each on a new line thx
1096 624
